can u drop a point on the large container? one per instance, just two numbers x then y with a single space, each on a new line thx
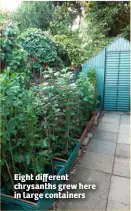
71 160
10 203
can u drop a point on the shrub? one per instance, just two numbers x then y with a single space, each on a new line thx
12 55
72 45
41 49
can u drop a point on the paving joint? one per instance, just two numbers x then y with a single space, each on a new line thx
121 176
99 171
113 164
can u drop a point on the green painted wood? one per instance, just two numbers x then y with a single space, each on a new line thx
72 158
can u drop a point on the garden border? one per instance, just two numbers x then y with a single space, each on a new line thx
88 127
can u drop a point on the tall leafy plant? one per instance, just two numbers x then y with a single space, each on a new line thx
67 107
20 134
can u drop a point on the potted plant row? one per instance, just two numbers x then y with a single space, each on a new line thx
86 103
24 150
42 127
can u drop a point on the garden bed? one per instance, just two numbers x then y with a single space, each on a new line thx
10 203
68 164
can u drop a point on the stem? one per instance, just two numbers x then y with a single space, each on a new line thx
8 170
46 130
67 119
10 146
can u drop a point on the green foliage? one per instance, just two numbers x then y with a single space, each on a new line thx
40 48
90 43
72 45
41 122
109 17
88 94
102 22
20 135
57 17
67 107
63 19
4 15
35 14
91 74
12 55
97 24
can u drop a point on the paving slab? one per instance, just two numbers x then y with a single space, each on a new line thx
125 119
114 205
103 147
113 114
105 136
124 129
108 127
100 179
122 167
123 150
95 203
120 190
97 161
108 119
123 138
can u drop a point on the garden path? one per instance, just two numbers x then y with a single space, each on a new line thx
106 164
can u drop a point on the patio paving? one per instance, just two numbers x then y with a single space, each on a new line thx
106 164
123 150
114 205
122 167
123 138
102 147
110 127
97 161
120 189
106 136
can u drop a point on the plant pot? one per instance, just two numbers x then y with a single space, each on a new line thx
68 164
88 127
72 67
10 203
45 66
